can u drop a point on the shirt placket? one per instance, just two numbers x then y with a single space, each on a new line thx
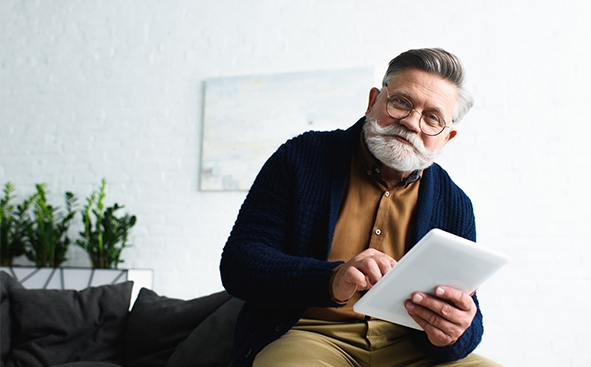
380 227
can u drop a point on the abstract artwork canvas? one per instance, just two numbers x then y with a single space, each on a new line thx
247 118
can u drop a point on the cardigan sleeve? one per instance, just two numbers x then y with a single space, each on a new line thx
276 253
444 205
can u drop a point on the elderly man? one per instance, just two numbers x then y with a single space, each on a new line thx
331 212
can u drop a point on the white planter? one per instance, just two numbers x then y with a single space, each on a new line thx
79 278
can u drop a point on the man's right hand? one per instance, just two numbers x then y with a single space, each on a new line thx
360 273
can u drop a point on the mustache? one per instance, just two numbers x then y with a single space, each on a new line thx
382 142
396 130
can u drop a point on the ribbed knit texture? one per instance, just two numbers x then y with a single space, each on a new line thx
276 256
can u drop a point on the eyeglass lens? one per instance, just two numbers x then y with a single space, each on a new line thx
400 108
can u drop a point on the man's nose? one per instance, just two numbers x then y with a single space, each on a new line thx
412 121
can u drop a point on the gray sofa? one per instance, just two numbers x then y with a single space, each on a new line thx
94 328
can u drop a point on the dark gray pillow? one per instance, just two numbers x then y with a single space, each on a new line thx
7 284
88 364
211 343
157 325
60 326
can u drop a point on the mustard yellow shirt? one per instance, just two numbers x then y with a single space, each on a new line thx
371 216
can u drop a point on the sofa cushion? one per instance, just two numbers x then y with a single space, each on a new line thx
54 327
88 364
7 284
157 325
211 343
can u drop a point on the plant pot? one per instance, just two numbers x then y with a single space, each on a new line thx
79 278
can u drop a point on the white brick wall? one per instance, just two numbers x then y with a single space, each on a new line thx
114 89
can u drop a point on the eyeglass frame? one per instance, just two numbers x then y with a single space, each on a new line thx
410 111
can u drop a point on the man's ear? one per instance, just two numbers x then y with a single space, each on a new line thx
452 134
373 97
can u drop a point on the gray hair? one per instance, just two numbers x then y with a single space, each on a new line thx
439 62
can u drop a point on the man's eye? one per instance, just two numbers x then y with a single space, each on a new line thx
401 103
432 118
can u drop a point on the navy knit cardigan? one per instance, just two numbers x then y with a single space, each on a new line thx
276 256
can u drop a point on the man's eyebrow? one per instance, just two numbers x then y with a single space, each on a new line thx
401 93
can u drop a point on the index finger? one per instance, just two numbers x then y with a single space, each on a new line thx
369 259
385 263
459 298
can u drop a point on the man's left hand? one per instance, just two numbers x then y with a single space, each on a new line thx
444 317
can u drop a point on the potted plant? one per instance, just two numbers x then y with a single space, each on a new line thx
48 238
40 231
15 225
105 234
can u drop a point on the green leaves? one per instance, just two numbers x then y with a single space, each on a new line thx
15 225
35 228
39 230
48 237
105 234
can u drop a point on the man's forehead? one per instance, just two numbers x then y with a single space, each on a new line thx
421 86
420 78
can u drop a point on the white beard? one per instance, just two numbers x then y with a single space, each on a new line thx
402 157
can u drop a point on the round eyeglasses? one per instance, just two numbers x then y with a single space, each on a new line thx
399 107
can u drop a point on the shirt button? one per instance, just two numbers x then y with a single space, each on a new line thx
378 232
368 172
387 193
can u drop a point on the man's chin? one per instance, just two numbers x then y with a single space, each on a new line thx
407 162
407 168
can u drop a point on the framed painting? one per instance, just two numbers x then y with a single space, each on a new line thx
247 118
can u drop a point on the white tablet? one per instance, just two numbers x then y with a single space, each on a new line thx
439 258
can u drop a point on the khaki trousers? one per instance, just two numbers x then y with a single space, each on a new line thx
358 344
